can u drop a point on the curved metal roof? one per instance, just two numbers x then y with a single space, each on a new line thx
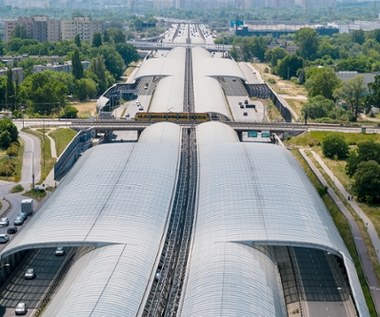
209 96
116 193
207 65
255 194
163 66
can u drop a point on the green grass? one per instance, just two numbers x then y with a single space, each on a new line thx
17 188
315 138
344 230
36 194
62 138
17 160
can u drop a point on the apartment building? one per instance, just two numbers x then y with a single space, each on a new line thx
43 29
83 26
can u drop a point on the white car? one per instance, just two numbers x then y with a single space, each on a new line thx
30 274
20 309
59 251
4 222
4 238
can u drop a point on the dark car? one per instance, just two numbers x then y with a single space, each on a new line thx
12 230
18 221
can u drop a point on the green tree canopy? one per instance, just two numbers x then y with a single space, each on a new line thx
85 88
77 40
354 93
367 181
76 64
321 81
46 91
273 55
358 36
97 40
317 107
366 151
127 52
374 92
8 132
289 66
112 60
334 145
307 40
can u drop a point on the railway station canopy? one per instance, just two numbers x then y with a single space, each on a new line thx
255 209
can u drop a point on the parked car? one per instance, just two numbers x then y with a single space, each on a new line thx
18 221
30 274
4 222
4 238
21 309
59 251
12 230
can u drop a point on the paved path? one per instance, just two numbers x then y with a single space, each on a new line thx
361 248
53 149
31 159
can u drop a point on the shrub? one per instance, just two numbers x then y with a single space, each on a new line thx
334 146
12 150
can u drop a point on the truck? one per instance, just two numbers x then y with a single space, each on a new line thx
27 206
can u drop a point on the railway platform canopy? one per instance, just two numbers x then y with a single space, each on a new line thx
263 242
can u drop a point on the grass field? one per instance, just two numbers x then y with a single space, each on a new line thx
16 160
62 137
85 109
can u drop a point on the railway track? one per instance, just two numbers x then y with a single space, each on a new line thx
165 293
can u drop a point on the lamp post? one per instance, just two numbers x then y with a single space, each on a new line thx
23 115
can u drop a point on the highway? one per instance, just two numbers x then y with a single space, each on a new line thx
30 291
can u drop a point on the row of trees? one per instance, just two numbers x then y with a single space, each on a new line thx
46 92
363 164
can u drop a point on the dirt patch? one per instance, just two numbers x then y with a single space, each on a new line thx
85 109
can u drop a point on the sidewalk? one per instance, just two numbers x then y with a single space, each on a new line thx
361 248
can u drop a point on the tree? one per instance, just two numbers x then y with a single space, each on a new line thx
366 151
127 52
353 92
374 92
367 181
106 37
289 65
273 55
98 68
334 145
10 94
112 60
358 36
20 32
70 112
321 81
77 40
317 107
45 91
85 88
8 132
97 40
76 63
307 40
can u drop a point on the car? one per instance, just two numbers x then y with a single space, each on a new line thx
245 113
22 215
141 108
242 106
21 309
4 238
59 251
138 103
4 222
18 221
30 274
146 85
12 230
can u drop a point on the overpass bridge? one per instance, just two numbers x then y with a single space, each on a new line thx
145 45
